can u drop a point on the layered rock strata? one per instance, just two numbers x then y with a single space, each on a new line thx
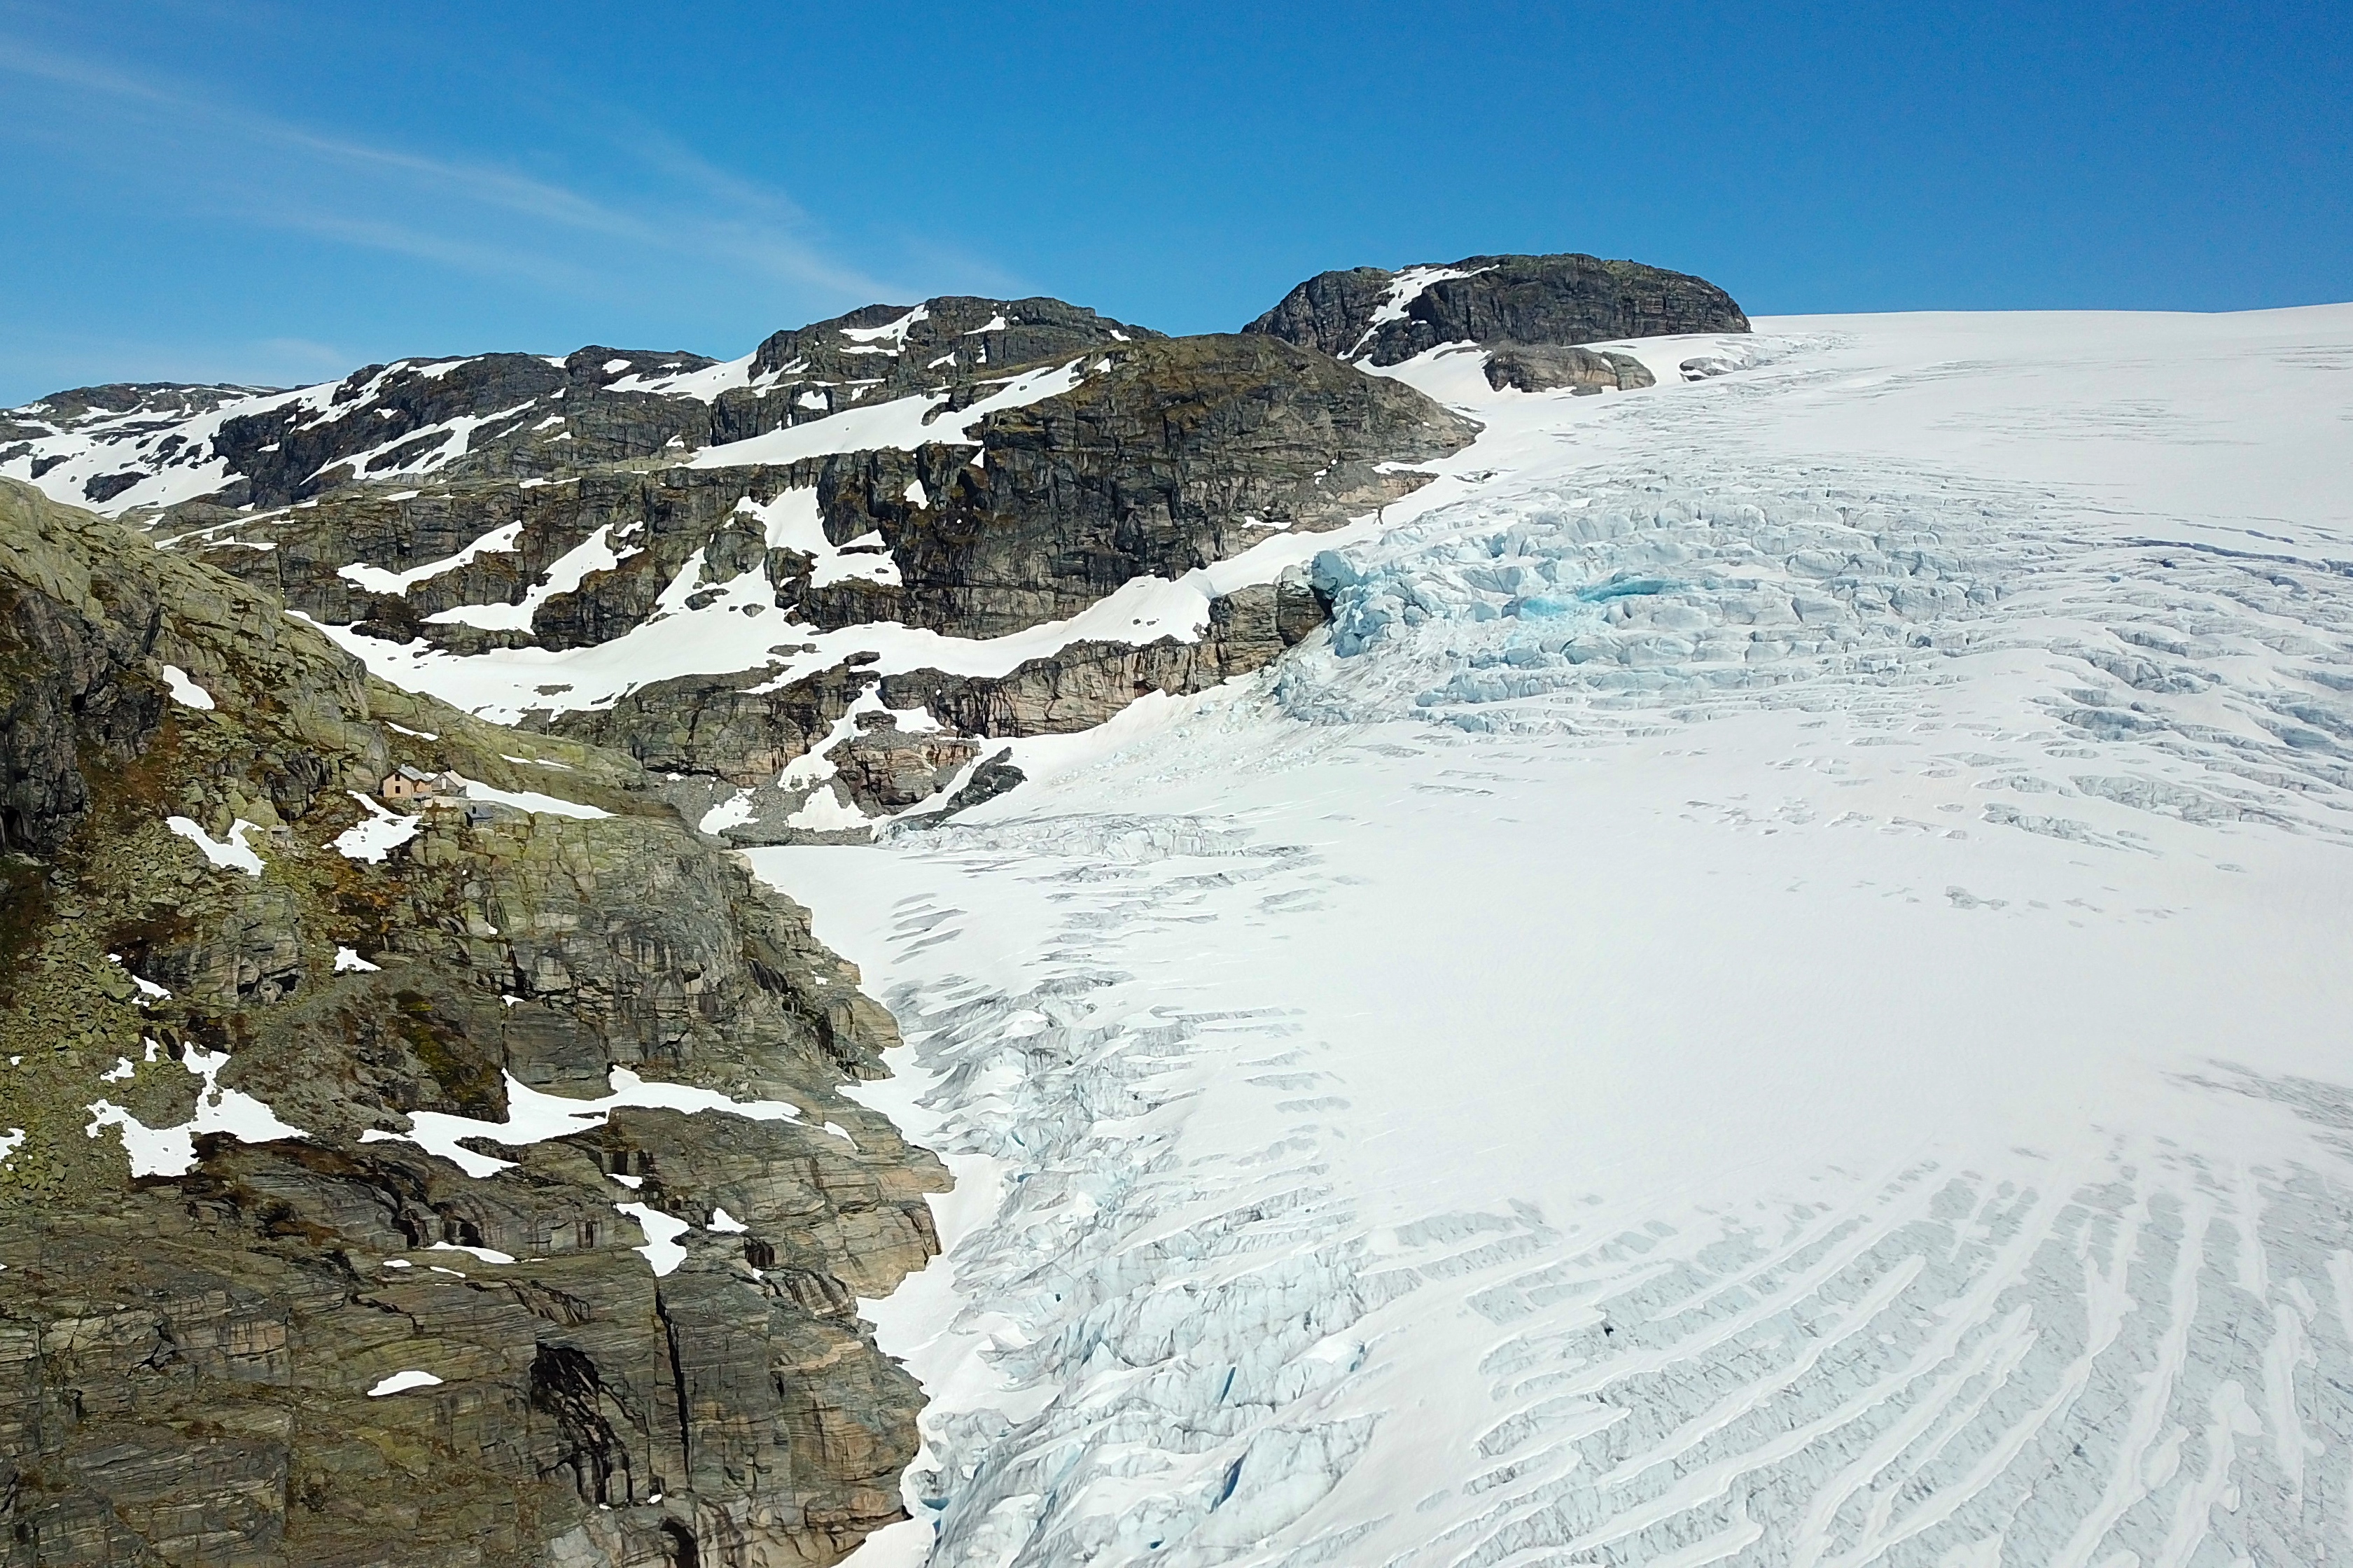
712 734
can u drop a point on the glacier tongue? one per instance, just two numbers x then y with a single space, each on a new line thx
1155 1344
1772 995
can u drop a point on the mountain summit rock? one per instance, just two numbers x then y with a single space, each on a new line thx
1384 317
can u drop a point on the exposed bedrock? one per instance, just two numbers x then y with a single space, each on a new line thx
389 563
729 728
1087 682
526 417
133 412
1385 316
1168 456
204 1362
1175 454
521 416
1134 455
1182 452
882 352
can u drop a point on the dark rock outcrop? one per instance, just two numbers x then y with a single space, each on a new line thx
1386 317
132 430
1086 683
1547 367
163 401
331 559
887 769
514 415
994 777
1183 452
526 417
189 1357
1176 453
121 413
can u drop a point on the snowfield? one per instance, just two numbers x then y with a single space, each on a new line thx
1773 991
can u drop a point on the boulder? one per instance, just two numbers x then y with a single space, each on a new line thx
1547 367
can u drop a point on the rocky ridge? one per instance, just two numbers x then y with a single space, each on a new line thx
515 416
1147 458
470 1181
987 470
1165 457
304 1260
122 433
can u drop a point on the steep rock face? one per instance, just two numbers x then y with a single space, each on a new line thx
201 1359
1181 453
61 705
1161 457
1384 316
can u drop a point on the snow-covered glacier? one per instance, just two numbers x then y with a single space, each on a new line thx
1774 991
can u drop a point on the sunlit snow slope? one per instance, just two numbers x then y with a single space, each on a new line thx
1774 992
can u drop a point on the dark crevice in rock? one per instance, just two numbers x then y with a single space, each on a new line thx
678 1384
564 1387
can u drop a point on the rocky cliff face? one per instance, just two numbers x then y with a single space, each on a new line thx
305 1260
1167 455
1384 317
1172 456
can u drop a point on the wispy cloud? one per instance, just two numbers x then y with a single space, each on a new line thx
473 216
36 364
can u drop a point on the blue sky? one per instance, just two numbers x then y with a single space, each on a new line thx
272 191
